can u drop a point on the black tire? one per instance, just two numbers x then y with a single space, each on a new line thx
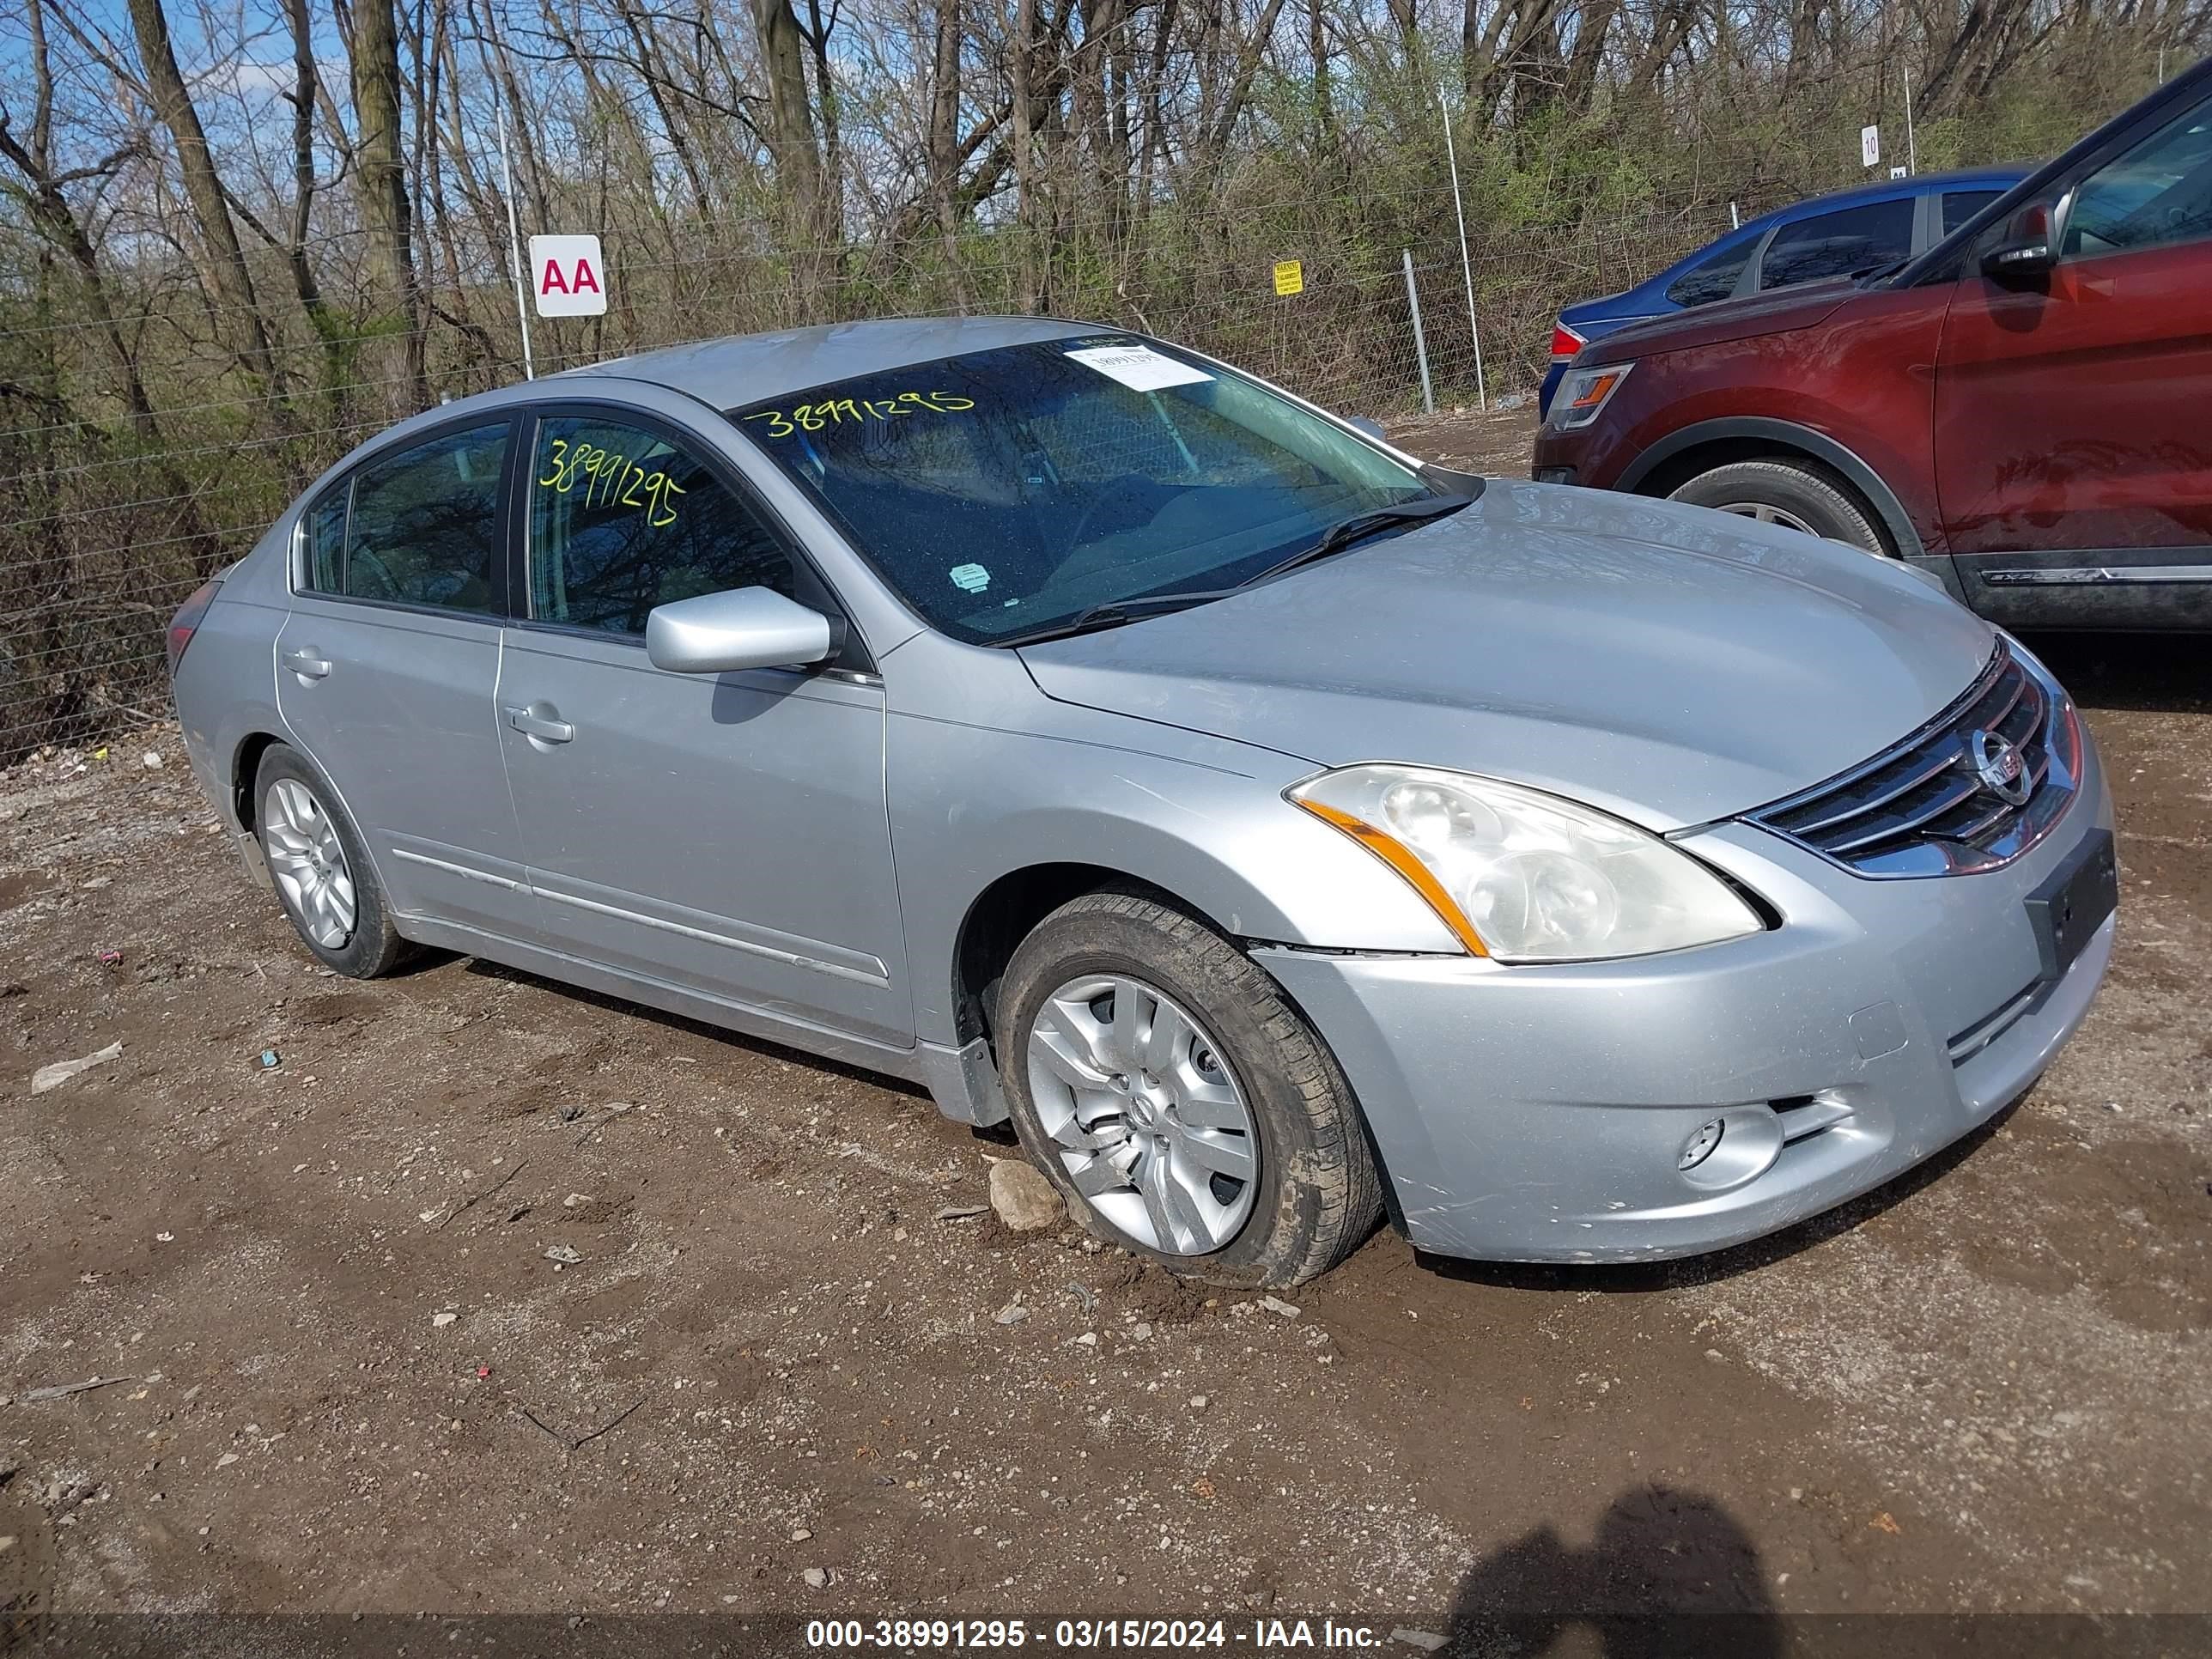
1818 499
1318 1194
373 947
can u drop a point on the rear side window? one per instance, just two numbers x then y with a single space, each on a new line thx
423 527
1837 244
622 520
1960 205
1712 278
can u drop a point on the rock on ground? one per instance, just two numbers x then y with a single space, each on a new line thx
1022 1197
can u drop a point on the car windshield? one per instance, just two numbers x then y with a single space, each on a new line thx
1005 492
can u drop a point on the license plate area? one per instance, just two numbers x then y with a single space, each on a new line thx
2068 909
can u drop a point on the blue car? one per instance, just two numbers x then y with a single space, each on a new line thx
1826 236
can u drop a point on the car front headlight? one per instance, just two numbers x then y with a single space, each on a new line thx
1584 393
1522 876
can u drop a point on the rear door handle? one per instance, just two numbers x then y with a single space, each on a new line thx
544 727
306 665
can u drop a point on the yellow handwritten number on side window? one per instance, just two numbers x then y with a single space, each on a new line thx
611 479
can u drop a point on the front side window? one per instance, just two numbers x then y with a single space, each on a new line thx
1008 490
1836 244
1713 278
622 520
423 529
2156 194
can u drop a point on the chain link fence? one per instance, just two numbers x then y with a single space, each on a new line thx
105 528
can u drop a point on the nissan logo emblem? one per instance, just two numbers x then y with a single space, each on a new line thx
1998 764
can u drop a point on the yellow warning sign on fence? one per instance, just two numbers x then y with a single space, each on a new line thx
1289 276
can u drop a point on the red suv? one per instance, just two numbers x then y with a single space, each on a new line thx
2025 410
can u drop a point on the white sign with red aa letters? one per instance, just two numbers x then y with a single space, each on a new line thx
569 275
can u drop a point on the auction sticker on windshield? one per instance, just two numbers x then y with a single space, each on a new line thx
1139 368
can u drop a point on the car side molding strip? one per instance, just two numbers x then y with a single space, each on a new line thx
460 870
880 976
2080 575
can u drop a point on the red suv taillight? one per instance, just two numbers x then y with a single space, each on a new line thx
188 618
1565 343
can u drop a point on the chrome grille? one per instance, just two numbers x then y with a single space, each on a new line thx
1923 808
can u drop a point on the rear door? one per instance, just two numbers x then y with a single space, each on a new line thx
2073 454
387 663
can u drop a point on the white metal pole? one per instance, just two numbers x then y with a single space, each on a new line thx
1911 150
513 236
1420 342
1734 223
1465 264
507 185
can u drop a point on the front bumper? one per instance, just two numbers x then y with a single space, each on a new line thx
1539 1114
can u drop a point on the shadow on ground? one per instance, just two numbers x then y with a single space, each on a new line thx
1668 1572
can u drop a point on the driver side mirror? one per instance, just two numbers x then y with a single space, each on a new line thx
2026 251
742 628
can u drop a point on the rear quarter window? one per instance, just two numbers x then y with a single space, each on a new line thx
1960 205
1711 278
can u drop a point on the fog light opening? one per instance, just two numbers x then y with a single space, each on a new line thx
1702 1144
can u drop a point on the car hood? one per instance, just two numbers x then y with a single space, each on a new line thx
1668 664
1723 321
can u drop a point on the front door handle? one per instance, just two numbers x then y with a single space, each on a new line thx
541 726
306 665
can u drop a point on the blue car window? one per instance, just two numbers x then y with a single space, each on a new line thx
1713 278
622 520
1960 205
1836 244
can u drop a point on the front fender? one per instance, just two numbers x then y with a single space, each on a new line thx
1207 825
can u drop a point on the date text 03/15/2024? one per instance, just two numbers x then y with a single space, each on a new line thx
1255 1636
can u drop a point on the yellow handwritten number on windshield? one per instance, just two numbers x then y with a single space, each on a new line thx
838 411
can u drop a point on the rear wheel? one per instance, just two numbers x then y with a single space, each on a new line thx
1182 1108
321 870
1795 495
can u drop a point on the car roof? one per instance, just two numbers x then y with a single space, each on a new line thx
745 368
1990 178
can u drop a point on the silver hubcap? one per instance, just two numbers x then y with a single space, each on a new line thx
1146 1116
1766 514
308 863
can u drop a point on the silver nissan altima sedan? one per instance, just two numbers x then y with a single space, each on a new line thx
1279 831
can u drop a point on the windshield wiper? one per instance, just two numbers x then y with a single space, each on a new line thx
1359 527
1113 613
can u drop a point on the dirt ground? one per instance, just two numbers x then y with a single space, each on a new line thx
351 1380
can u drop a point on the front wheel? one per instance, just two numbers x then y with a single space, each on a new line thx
1797 496
1182 1108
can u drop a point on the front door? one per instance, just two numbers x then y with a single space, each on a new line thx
2073 459
387 667
725 834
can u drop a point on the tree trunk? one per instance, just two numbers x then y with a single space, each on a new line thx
791 129
230 283
394 323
